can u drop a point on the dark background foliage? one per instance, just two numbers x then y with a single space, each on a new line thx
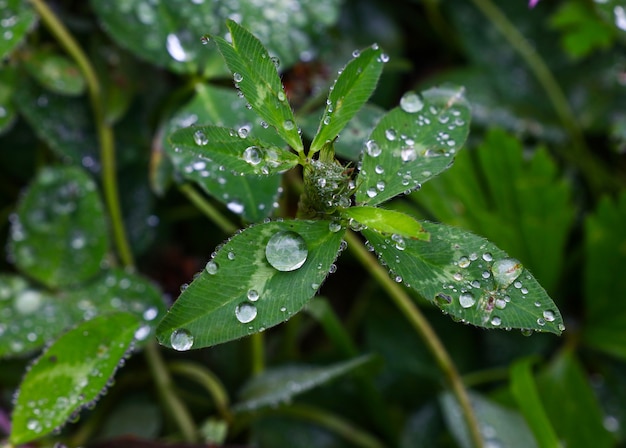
543 176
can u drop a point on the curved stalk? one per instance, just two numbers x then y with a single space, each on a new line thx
165 387
207 208
423 328
104 129
579 153
209 381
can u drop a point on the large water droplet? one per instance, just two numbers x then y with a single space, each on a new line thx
286 251
466 300
181 340
212 267
252 155
505 271
411 102
372 148
200 138
245 312
549 315
253 295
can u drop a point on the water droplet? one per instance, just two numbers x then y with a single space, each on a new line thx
380 185
334 226
541 322
487 256
517 284
235 206
384 58
464 262
411 102
408 154
467 300
175 48
275 61
379 169
252 155
212 267
288 125
237 77
496 321
332 268
231 255
527 332
372 148
505 271
442 299
549 315
281 96
390 134
205 39
500 304
286 251
486 274
200 138
242 132
356 53
371 192
245 312
399 241
253 295
181 340
33 425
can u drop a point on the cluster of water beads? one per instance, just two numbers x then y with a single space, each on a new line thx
503 273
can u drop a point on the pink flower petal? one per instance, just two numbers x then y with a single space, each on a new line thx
532 3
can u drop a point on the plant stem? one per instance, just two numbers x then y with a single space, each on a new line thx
104 129
258 353
210 382
578 154
423 328
207 208
165 388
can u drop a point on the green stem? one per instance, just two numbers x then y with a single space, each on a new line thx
335 424
207 208
104 129
210 382
578 154
165 387
423 328
258 353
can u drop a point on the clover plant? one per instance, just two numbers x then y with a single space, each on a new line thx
267 272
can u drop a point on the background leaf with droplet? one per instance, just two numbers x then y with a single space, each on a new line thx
55 72
351 90
235 152
70 374
59 235
31 316
240 292
387 221
469 278
252 197
65 124
280 384
17 17
256 75
502 426
413 143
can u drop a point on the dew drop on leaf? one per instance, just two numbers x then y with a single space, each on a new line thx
253 295
390 134
181 340
372 148
506 271
235 207
408 154
334 226
252 155
464 262
466 300
286 251
237 77
200 138
411 102
549 316
212 267
288 125
245 312
175 48
242 132
496 321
